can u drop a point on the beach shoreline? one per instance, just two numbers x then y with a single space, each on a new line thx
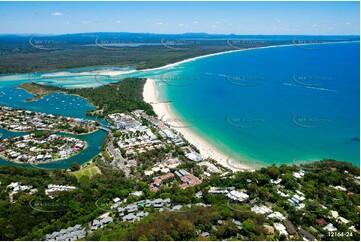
206 149
163 109
238 50
119 73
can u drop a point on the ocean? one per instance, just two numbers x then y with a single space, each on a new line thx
279 105
272 105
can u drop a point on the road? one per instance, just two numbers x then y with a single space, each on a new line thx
118 160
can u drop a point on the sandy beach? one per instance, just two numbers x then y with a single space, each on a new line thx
205 148
89 73
119 73
163 109
237 50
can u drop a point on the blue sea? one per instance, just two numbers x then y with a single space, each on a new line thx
273 105
278 105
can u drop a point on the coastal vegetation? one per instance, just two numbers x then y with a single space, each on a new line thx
38 91
123 96
312 197
19 221
24 53
143 159
19 54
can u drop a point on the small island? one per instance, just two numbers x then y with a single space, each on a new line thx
40 148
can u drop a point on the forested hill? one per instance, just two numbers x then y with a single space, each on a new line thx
19 221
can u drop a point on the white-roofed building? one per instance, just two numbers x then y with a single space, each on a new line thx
237 196
280 228
276 215
329 227
261 209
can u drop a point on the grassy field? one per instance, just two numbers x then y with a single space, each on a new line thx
89 171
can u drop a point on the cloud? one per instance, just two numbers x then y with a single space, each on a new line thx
86 22
213 26
195 22
159 23
67 22
57 14
180 25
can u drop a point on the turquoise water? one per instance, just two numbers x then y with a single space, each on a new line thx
60 104
94 140
57 103
274 105
264 106
8 134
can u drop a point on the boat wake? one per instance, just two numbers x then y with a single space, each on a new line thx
316 88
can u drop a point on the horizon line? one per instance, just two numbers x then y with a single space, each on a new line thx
185 33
